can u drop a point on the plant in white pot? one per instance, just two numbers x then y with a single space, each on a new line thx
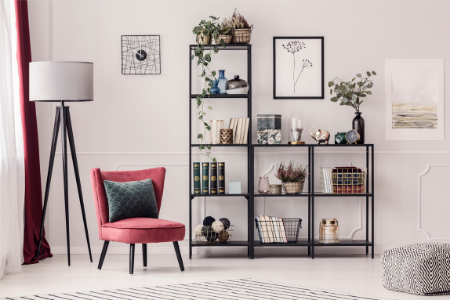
292 177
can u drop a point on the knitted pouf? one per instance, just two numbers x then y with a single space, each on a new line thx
421 269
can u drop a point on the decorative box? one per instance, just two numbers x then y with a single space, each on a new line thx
268 122
234 187
269 137
339 138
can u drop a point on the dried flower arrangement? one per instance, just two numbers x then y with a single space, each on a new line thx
226 26
239 21
293 172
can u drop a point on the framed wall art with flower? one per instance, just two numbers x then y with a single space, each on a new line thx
298 67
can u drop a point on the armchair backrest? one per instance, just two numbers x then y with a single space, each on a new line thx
101 201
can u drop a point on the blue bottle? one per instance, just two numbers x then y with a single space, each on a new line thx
215 90
222 82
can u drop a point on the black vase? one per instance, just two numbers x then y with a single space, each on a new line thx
358 125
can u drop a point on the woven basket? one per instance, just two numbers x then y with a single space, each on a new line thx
225 37
242 36
206 39
293 187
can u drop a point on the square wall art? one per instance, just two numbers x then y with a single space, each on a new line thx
414 99
298 65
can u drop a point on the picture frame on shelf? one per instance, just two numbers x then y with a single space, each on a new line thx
298 67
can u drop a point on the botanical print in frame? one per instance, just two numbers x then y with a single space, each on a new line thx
298 68
414 99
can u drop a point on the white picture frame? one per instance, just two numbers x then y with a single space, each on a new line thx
414 99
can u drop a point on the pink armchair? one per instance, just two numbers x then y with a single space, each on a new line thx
135 230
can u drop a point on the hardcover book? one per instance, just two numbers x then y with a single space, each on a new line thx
205 178
213 178
221 173
197 188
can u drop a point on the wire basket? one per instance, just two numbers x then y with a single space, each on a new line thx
242 36
343 180
274 230
206 235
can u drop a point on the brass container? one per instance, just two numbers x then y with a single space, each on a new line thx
329 232
225 37
275 189
226 136
293 187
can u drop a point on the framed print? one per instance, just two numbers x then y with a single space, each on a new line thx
414 99
298 67
141 55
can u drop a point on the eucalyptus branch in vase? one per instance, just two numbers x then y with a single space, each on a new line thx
204 57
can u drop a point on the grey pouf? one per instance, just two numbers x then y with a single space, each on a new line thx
420 269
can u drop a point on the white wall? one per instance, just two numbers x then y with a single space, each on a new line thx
142 121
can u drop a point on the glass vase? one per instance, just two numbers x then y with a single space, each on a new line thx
295 128
263 185
358 125
215 90
222 82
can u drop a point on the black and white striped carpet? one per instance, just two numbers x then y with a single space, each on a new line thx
229 289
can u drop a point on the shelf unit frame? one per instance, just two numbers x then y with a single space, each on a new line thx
248 196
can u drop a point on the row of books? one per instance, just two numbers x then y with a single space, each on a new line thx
240 130
271 229
343 180
211 182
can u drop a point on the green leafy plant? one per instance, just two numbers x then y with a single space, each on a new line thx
204 57
293 172
350 92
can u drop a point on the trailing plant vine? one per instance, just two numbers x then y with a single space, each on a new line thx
204 56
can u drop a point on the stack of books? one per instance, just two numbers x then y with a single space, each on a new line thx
271 229
240 130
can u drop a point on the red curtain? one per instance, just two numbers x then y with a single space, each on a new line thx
33 193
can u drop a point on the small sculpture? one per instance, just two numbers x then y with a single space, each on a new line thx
321 136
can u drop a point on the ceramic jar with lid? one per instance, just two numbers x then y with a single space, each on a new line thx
329 231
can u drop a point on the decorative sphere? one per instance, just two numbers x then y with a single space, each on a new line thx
209 234
217 226
223 236
208 221
198 230
226 222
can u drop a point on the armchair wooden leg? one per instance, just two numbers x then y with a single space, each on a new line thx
102 256
177 251
144 254
131 258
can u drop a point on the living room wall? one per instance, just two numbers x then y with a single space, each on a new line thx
140 122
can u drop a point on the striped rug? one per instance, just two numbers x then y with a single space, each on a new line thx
229 289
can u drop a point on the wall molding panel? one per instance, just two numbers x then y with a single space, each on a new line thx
419 203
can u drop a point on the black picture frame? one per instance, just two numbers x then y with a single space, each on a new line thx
275 38
159 70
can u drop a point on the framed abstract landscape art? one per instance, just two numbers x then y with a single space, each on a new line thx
414 99
298 67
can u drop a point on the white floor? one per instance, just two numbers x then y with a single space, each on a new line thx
355 274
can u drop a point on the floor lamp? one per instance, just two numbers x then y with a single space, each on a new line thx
62 81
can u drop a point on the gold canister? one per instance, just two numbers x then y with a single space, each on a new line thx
216 126
275 189
226 136
329 231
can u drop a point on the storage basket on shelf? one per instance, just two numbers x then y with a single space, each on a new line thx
275 230
293 187
207 235
242 36
343 180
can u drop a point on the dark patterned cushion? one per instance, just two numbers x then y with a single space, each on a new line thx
131 199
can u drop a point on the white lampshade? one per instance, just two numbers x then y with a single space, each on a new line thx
61 81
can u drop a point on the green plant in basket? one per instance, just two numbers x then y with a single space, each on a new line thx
204 58
293 172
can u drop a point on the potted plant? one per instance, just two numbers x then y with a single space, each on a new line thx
204 56
224 32
292 177
240 28
350 93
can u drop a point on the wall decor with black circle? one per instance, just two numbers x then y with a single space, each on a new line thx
141 55
298 67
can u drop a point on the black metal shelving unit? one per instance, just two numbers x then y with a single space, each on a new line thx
311 194
248 196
